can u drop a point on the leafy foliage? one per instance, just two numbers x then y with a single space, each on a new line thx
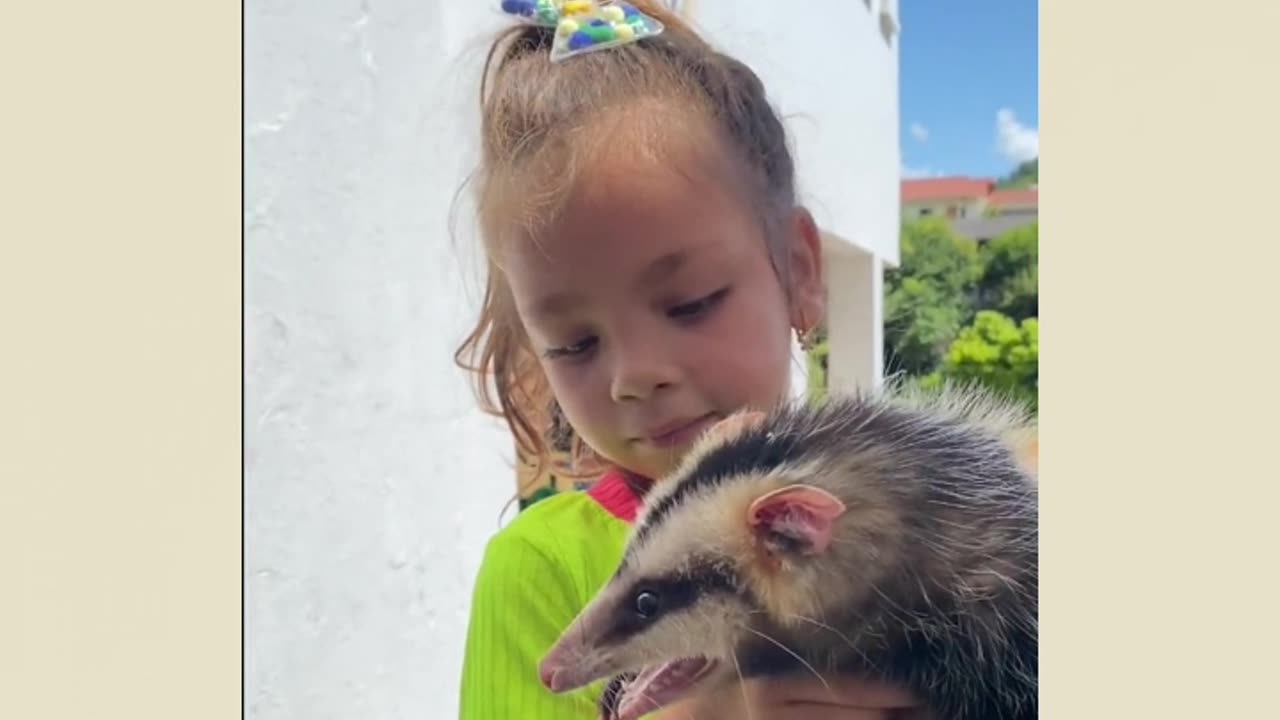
999 353
956 312
929 296
817 367
921 321
931 251
1025 175
1011 273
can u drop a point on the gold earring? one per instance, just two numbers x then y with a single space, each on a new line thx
806 338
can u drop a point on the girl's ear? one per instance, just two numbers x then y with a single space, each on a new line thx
807 289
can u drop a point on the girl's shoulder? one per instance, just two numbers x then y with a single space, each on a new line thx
578 528
538 572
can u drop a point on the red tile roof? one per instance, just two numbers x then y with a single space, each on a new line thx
952 188
1005 198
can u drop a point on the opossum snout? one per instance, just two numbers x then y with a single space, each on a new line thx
560 673
565 667
550 674
574 661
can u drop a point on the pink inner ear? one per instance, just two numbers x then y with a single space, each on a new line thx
801 512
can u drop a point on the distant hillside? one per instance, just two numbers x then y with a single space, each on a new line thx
1026 175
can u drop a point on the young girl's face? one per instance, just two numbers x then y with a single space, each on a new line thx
655 309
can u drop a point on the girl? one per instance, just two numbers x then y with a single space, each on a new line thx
648 263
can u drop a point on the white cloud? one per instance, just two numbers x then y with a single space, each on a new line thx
919 132
915 173
1016 142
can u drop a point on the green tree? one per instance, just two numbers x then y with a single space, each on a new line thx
921 321
999 353
930 251
1025 175
1011 273
929 297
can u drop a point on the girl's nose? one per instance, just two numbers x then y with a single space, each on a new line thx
641 372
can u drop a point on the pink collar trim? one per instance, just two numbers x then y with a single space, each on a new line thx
616 492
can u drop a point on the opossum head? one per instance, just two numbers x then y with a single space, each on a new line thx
773 524
736 535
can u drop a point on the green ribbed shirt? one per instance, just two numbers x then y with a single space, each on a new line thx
537 575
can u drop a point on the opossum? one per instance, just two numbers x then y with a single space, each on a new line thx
891 536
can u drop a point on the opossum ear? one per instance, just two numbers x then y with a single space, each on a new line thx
796 517
734 425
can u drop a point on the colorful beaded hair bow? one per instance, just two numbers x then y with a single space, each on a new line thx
585 25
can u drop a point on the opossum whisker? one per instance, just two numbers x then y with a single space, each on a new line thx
790 652
848 641
626 691
742 685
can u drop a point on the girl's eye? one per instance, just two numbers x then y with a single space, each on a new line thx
577 348
697 307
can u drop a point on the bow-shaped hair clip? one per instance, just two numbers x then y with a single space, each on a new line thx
583 26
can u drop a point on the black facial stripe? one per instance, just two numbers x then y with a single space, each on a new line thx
756 451
675 593
844 427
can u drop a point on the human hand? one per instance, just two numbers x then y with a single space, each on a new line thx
800 699
845 699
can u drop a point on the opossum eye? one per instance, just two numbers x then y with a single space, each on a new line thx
646 604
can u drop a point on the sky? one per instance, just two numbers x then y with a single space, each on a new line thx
969 83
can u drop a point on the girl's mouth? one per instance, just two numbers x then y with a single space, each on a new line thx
679 434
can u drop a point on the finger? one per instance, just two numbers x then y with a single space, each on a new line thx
814 711
846 693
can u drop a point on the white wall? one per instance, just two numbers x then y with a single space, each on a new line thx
371 481
855 318
833 76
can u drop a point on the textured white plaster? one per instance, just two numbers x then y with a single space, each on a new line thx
372 482
834 76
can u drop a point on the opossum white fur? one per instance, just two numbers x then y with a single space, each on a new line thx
891 535
974 406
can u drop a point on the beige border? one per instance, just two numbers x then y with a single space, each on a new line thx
1157 265
120 361
119 294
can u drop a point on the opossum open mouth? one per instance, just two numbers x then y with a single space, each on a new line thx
633 696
